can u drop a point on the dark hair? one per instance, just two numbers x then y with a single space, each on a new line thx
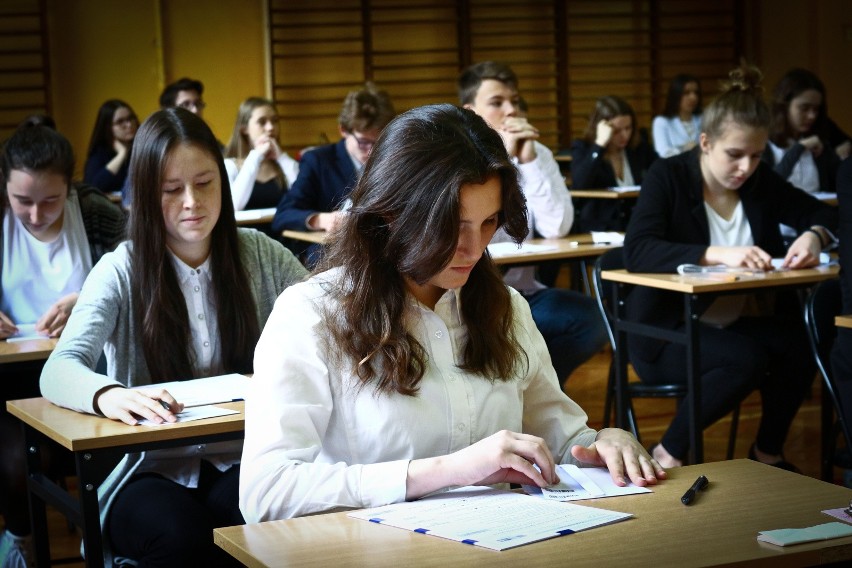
168 98
366 109
740 102
471 78
792 84
34 148
404 222
675 94
102 132
39 120
607 108
158 303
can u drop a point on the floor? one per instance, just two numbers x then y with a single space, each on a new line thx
587 386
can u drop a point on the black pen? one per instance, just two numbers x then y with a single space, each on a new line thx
165 405
699 484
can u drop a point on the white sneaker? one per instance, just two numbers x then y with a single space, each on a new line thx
16 551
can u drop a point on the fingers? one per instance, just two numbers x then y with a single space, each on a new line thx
7 326
128 405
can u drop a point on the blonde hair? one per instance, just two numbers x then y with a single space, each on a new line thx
740 102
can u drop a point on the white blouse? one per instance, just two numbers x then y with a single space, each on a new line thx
316 440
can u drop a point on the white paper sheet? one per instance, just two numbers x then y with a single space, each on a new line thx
26 332
577 483
190 414
253 214
498 250
210 390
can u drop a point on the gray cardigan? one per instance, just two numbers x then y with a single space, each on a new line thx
103 320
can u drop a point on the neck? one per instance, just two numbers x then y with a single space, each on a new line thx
685 116
191 254
426 294
711 187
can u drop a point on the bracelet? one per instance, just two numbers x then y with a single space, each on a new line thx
819 236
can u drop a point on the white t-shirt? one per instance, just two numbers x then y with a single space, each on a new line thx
35 274
733 232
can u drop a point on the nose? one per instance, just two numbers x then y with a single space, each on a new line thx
510 108
36 214
190 197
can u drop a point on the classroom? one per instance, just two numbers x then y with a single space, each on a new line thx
593 276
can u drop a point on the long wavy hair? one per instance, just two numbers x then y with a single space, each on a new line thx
607 108
404 222
157 300
792 84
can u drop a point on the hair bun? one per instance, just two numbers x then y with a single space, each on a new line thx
745 78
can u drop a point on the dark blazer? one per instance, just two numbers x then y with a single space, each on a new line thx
96 174
589 170
669 227
326 176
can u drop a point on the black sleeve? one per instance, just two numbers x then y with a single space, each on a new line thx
589 169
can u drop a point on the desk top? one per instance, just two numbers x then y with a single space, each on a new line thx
697 285
719 529
316 237
77 431
32 350
254 216
843 321
604 194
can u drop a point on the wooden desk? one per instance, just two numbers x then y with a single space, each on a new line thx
604 194
98 445
691 288
843 321
316 237
719 529
32 350
254 216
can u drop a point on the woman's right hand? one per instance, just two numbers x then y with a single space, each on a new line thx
128 405
268 147
7 326
504 457
746 257
603 133
812 144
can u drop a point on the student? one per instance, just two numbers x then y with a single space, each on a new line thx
186 297
327 174
414 368
53 232
799 133
719 204
610 154
569 321
109 148
258 170
677 129
841 354
185 93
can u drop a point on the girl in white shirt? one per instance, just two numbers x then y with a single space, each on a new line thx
259 172
678 128
414 368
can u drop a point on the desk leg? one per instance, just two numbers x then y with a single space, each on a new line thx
693 380
92 469
38 508
620 360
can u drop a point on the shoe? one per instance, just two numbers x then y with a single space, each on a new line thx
16 551
782 464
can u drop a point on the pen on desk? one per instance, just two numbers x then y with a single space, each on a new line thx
165 405
699 484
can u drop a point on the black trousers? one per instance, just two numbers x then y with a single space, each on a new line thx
770 354
158 522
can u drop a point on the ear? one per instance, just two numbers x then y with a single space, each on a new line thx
468 106
342 131
705 142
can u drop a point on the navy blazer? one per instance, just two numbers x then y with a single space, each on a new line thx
669 227
326 176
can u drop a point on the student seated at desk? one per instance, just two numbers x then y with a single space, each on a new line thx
327 174
259 172
677 129
414 367
110 146
568 320
186 297
612 153
720 204
53 232
799 148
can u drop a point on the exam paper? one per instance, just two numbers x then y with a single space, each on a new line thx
252 214
210 390
509 248
26 332
490 518
190 414
577 483
607 237
625 188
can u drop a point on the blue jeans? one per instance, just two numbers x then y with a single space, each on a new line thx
572 327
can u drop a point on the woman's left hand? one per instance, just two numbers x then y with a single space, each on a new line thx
623 456
54 319
804 251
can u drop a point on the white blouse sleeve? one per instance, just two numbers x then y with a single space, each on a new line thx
548 198
242 179
290 167
289 409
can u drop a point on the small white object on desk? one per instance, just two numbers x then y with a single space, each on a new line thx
786 537
497 250
607 238
253 214
26 332
577 483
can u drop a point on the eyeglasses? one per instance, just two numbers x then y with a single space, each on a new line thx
126 120
189 105
364 144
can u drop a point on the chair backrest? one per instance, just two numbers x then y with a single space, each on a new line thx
610 260
822 305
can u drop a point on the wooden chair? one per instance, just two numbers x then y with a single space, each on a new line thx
614 260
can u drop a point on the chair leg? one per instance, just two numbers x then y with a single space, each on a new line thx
829 437
732 439
610 399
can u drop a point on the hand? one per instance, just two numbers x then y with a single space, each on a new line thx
844 150
746 257
119 147
328 221
7 326
620 452
128 405
813 144
54 319
268 147
603 133
518 136
504 457
804 251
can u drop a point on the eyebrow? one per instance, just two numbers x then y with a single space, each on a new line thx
198 175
